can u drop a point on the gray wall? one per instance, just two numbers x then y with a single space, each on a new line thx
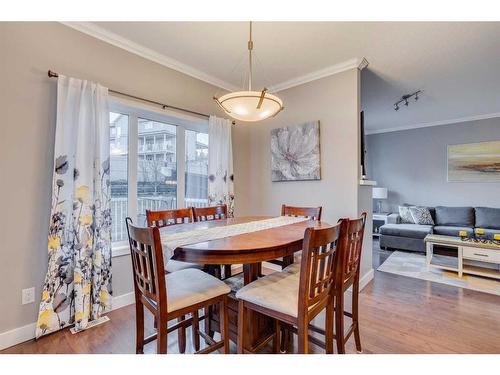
334 101
412 164
28 107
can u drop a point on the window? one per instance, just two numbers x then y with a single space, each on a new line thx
157 173
196 185
158 161
118 138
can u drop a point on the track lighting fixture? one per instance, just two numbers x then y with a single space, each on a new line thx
405 99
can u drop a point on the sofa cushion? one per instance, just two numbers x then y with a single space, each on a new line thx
487 217
455 216
405 215
421 215
449 230
432 210
406 230
488 233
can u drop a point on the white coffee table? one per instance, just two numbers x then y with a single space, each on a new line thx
478 252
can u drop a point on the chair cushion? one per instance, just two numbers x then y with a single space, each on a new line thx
191 286
175 265
449 230
235 282
488 233
487 217
278 291
455 216
406 230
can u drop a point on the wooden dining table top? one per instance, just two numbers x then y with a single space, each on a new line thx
249 247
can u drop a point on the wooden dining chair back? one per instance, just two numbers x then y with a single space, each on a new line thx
151 291
271 294
349 256
149 275
347 270
210 213
314 213
169 217
317 267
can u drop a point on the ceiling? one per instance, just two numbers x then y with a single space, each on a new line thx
455 64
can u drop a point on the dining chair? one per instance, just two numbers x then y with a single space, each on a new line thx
165 218
172 217
313 213
208 214
347 271
171 296
295 298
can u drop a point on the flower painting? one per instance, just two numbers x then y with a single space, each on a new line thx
474 162
295 154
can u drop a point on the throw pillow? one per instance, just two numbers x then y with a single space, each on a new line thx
421 215
405 214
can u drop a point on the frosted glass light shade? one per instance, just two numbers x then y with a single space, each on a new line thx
242 105
379 193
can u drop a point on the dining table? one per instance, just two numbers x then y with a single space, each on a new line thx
246 241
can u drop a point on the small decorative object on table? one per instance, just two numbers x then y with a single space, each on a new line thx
496 238
463 235
480 236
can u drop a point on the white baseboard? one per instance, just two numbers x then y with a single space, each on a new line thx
365 280
17 335
123 300
21 334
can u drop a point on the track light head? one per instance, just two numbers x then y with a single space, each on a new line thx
405 99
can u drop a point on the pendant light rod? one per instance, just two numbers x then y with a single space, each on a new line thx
250 105
250 48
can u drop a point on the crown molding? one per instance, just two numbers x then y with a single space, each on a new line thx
135 48
100 33
434 123
359 63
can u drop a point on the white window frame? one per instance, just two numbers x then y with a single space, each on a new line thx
183 122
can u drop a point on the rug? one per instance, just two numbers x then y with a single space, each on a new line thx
413 265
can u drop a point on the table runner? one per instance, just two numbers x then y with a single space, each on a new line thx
171 241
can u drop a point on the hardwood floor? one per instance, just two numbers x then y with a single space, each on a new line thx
397 315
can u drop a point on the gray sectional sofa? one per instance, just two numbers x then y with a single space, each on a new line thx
448 221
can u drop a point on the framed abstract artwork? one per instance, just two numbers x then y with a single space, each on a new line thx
474 162
295 153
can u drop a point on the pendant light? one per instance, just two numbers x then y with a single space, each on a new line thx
250 105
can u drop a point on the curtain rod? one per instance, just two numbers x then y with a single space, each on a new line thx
53 74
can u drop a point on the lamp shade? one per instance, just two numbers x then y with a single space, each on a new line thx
379 193
250 105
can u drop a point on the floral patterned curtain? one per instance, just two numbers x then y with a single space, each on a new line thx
77 287
220 164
